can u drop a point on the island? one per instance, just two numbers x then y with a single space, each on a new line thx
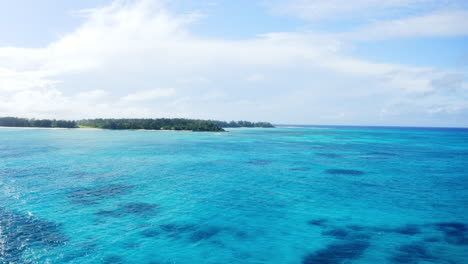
133 123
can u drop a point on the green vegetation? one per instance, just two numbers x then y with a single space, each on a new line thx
24 122
153 124
243 124
133 123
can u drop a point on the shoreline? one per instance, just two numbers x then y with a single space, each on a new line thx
36 127
94 128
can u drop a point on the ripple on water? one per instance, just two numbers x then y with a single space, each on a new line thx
91 196
21 232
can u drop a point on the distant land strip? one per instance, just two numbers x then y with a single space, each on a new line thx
132 123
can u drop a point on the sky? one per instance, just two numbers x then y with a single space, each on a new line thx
335 62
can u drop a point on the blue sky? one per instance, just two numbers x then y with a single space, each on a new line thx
361 62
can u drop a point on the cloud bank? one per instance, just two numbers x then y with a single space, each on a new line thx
140 59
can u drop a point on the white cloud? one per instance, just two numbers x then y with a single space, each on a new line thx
149 95
92 95
345 9
93 72
256 77
214 95
193 80
441 24
378 20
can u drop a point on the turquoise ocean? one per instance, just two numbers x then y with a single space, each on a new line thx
329 195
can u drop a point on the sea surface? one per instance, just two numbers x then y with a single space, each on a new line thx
329 195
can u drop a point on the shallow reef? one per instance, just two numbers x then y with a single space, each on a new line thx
137 209
339 233
455 233
113 259
344 172
385 154
329 155
418 251
412 253
151 232
259 162
299 169
204 233
337 253
318 222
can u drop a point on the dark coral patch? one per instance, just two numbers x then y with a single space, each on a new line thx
138 209
299 169
384 154
431 239
329 155
218 243
205 233
113 259
455 233
259 162
457 240
21 231
131 245
151 232
356 227
90 196
339 233
452 227
347 234
175 230
241 235
195 233
412 253
408 230
337 253
142 209
318 222
83 202
86 249
109 213
360 236
344 172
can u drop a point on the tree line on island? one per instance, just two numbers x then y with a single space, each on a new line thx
132 123
24 122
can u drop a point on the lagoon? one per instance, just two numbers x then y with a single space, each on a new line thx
281 195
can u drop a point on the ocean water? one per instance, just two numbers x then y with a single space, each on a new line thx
330 195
